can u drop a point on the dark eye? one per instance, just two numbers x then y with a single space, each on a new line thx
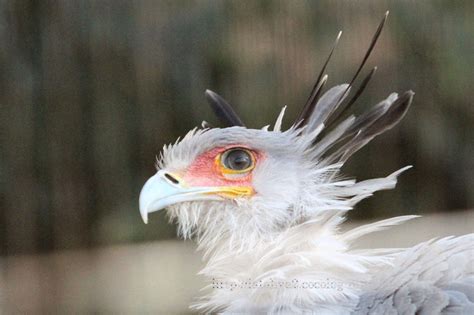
237 160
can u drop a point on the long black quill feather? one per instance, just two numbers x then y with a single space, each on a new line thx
223 110
354 98
374 40
317 88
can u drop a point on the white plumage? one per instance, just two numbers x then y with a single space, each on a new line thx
270 230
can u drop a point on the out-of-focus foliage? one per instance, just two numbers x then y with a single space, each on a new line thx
91 90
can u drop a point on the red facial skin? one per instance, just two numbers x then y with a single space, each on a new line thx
206 170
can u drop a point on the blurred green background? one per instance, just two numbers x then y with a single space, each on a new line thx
91 90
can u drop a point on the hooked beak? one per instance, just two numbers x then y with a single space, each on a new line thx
164 189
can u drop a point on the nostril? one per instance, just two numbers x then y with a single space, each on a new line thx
171 178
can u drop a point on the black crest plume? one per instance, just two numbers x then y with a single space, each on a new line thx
315 94
317 88
223 110
329 107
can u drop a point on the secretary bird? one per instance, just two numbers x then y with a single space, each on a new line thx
265 207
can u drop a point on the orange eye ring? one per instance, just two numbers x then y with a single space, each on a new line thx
225 169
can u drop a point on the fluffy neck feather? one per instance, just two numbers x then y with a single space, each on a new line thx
253 265
309 266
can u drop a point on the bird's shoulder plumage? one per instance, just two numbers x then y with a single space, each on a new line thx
434 277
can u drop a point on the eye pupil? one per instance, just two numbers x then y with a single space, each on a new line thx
237 160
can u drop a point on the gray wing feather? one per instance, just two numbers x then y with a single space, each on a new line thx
436 277
461 297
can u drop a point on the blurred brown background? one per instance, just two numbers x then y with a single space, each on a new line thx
91 90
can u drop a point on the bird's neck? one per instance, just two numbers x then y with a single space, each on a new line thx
308 261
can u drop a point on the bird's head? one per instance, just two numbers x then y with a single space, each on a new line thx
229 178
236 181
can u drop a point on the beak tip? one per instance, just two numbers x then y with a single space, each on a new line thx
144 215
